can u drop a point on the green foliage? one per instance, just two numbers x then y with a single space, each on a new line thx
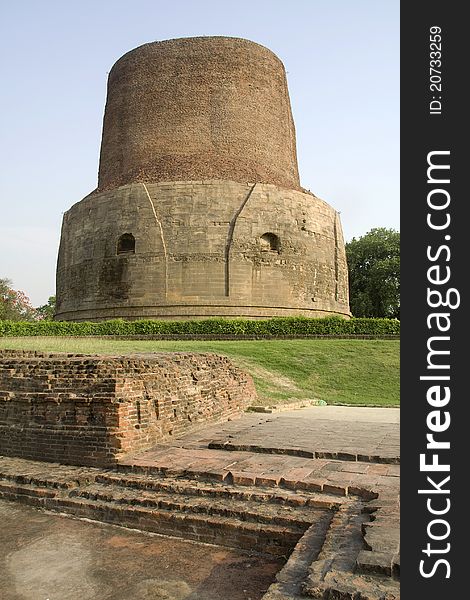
14 304
374 274
285 326
46 311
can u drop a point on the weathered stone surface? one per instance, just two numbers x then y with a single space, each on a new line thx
192 259
79 409
375 562
199 211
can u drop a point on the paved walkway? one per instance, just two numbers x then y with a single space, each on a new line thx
352 447
370 434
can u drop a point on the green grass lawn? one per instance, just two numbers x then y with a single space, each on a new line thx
361 372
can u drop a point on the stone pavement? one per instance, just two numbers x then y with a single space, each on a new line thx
268 448
348 433
318 486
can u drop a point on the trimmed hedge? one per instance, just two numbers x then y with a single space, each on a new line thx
279 326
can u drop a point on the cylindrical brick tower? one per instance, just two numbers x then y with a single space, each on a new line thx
198 108
199 210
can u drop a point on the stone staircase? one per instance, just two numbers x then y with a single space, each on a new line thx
336 546
266 520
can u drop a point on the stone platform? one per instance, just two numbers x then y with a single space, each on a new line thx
334 520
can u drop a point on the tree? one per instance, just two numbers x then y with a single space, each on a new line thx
14 304
374 274
46 311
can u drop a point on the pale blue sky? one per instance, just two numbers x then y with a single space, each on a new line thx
342 60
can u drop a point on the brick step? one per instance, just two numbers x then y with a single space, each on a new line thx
225 531
10 490
192 487
270 521
45 481
48 475
342 455
297 479
286 516
273 538
188 487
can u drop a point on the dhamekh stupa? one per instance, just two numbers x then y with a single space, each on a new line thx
199 210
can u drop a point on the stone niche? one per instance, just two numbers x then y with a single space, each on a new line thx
94 410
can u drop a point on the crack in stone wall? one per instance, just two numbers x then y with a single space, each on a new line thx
228 245
161 236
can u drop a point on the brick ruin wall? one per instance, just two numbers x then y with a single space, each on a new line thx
93 410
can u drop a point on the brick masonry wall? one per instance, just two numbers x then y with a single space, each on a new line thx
93 410
199 252
198 108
